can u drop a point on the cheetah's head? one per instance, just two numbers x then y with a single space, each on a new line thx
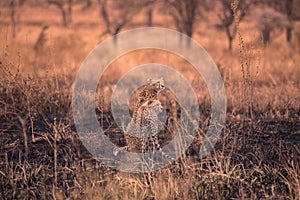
158 84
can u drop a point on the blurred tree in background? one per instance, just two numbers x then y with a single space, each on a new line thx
184 14
225 15
268 20
118 13
286 9
65 7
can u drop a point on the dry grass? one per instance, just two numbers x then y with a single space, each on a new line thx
41 156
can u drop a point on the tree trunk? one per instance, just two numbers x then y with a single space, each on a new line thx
230 40
266 36
64 17
70 11
189 27
289 12
117 30
149 15
104 15
13 17
87 5
229 37
289 34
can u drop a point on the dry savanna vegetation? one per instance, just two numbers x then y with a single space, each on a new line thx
256 46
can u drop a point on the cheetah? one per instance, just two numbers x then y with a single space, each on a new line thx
145 123
149 91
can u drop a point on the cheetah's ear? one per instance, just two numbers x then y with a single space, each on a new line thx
149 80
162 80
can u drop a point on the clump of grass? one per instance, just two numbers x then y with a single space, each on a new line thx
29 107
